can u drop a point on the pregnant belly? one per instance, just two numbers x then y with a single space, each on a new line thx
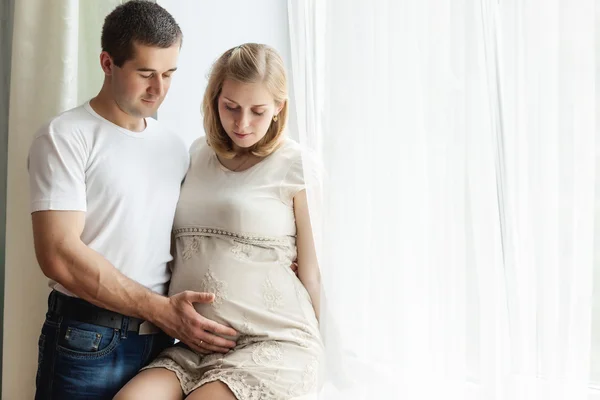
253 294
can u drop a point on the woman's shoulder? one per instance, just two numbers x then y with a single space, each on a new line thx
200 153
298 153
299 159
198 145
290 151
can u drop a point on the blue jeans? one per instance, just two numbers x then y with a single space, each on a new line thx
78 360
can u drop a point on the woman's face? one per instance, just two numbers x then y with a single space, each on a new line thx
246 111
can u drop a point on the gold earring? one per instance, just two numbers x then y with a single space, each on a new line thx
275 118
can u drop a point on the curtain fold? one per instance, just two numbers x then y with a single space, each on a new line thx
54 67
548 77
457 240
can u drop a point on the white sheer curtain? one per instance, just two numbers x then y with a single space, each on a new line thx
549 150
55 67
459 144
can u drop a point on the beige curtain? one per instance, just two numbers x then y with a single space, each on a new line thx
55 66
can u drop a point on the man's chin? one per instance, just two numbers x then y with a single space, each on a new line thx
146 112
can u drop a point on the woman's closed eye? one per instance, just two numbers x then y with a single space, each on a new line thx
235 108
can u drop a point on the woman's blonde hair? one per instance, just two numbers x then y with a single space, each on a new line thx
247 63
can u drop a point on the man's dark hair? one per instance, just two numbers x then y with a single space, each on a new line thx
138 21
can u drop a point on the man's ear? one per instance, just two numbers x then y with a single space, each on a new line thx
106 63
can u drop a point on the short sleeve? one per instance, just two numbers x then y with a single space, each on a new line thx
305 173
57 164
197 144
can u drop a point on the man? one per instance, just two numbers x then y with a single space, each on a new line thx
104 182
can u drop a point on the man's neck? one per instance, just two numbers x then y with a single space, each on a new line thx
107 108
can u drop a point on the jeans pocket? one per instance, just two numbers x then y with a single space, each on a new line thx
82 340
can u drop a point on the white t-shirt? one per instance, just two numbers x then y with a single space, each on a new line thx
126 182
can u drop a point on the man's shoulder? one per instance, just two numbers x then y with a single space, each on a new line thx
67 123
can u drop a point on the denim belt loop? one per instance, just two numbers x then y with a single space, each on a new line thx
124 327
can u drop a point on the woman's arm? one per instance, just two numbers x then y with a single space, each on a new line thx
308 265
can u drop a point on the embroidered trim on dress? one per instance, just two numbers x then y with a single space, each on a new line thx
236 380
223 232
191 245
241 251
211 284
272 296
268 354
309 380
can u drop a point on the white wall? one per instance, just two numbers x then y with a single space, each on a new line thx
209 29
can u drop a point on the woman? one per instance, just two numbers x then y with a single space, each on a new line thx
241 220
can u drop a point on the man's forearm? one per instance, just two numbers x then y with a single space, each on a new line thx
91 277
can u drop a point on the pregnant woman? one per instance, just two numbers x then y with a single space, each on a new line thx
241 220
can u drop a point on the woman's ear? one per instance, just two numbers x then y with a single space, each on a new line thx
280 107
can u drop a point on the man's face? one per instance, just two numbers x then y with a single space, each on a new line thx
141 84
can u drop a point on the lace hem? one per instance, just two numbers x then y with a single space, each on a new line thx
236 381
172 366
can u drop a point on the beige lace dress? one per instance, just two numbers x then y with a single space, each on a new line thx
235 237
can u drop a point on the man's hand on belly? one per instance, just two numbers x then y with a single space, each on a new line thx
178 318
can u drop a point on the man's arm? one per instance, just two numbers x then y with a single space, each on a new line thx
64 258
